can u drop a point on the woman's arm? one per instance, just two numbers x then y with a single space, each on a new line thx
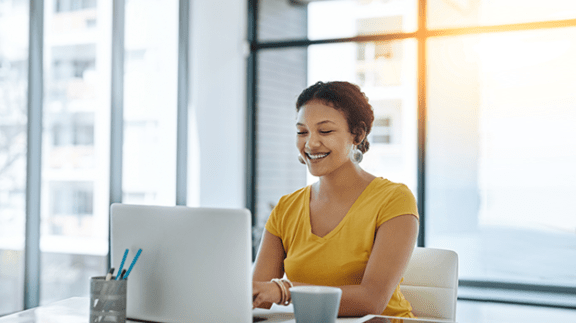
269 264
393 246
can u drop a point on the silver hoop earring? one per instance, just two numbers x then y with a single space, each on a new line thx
357 155
301 160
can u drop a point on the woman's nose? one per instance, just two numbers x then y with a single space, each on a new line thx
312 142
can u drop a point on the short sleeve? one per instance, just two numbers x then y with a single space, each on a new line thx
272 224
398 201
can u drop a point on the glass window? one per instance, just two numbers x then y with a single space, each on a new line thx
73 5
14 22
298 19
281 77
501 150
150 85
469 13
281 20
75 174
350 18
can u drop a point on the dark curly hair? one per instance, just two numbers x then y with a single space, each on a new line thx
349 99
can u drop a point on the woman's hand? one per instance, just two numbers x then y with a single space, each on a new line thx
269 265
264 294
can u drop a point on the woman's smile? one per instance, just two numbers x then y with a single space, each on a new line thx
317 157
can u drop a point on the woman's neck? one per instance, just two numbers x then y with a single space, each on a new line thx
347 180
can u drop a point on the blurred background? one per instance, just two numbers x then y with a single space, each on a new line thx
474 103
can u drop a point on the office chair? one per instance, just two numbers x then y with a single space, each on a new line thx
431 283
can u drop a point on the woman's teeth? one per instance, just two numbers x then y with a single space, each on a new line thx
317 156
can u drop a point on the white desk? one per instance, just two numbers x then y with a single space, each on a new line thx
286 314
76 310
71 310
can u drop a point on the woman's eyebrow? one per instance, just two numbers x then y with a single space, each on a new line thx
325 121
318 123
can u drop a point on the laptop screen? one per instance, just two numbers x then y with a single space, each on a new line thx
194 266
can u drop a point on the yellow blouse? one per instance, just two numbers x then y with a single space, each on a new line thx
340 257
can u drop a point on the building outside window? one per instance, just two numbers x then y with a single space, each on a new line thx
74 172
13 122
76 135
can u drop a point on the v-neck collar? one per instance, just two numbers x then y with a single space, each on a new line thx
334 231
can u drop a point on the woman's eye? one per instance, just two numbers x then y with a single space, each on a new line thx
327 131
301 132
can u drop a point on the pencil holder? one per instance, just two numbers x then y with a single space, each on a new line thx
107 300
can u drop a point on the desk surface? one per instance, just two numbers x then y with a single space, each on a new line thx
75 310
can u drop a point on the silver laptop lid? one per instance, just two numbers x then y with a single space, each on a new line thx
194 265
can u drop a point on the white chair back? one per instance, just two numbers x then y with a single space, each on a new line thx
431 283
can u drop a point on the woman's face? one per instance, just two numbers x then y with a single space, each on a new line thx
323 138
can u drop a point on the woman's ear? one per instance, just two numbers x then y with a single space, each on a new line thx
359 134
358 138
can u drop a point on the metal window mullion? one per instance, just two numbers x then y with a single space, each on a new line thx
422 119
182 102
251 80
296 43
34 155
116 107
420 34
474 30
503 285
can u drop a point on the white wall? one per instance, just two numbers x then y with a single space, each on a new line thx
217 132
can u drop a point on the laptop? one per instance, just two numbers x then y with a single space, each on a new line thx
195 264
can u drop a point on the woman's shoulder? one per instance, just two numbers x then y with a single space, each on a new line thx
296 196
384 192
392 199
384 185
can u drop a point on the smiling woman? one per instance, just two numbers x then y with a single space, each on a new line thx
335 117
350 229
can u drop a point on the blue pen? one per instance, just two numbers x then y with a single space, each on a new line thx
132 264
122 264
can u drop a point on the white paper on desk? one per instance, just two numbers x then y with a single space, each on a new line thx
392 319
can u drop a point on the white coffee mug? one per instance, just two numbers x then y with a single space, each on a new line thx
316 304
